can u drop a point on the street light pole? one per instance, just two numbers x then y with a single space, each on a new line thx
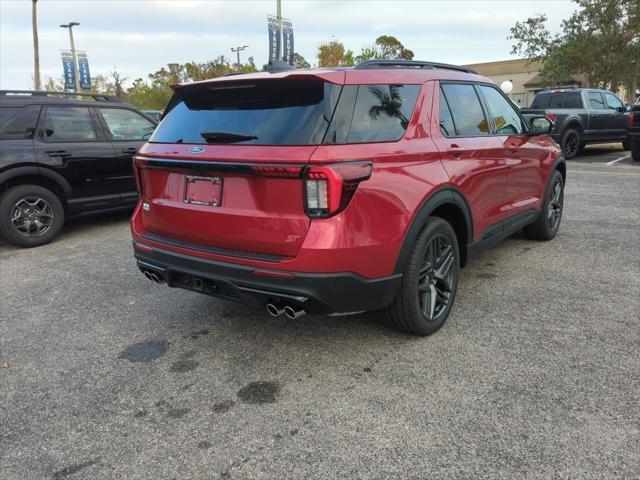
237 50
279 16
70 26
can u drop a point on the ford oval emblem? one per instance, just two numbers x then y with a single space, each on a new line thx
196 149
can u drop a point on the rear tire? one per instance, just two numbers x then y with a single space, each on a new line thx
547 225
635 150
429 282
571 142
30 215
626 145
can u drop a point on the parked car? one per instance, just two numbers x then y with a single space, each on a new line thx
333 191
633 130
582 116
61 157
156 115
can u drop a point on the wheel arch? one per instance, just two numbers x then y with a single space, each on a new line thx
34 175
449 204
575 124
560 164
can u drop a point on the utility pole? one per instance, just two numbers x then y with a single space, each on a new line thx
70 26
36 46
279 16
237 50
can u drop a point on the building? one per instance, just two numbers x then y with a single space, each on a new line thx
524 75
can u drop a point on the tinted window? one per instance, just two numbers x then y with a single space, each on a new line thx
18 122
282 112
541 100
565 100
557 100
446 121
382 112
126 125
613 101
505 119
466 110
68 124
596 101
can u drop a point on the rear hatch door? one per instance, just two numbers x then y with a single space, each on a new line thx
223 170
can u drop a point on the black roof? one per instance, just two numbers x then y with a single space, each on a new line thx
33 97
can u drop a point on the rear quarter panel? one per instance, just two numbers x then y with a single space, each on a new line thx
368 235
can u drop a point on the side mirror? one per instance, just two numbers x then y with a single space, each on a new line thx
620 109
540 126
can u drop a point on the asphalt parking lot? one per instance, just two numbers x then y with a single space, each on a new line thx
536 374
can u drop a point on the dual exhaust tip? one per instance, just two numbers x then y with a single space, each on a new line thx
273 309
154 277
291 312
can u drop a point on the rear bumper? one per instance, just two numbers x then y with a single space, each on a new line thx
321 293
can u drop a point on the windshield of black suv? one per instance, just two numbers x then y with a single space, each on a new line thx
267 112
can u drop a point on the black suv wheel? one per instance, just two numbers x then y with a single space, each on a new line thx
548 223
30 215
429 282
570 143
635 150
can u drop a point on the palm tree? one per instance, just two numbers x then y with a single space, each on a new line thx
36 47
389 103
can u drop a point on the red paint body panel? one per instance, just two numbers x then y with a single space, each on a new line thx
498 176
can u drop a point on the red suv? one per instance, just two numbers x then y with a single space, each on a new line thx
341 190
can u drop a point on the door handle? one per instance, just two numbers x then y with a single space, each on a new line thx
455 150
129 150
58 153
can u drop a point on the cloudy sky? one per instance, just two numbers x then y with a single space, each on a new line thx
140 36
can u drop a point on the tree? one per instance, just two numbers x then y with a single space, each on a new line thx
389 47
385 47
52 86
212 69
600 41
36 45
299 61
333 54
117 84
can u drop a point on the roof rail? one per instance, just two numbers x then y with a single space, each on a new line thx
411 64
99 97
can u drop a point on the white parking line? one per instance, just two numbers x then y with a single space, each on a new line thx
618 160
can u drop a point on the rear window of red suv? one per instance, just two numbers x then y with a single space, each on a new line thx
287 112
267 112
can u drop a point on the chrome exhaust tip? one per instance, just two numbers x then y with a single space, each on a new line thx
151 276
274 310
293 313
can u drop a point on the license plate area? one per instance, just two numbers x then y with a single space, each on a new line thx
199 190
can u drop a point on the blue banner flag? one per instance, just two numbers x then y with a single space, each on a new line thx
287 42
69 70
83 71
274 39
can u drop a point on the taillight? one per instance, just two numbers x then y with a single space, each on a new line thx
137 175
329 188
551 116
631 119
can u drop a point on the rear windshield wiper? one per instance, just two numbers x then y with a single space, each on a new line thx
226 137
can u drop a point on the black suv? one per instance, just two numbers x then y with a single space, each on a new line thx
62 157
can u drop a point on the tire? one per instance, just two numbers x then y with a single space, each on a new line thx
547 225
423 285
635 150
570 143
44 212
626 145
